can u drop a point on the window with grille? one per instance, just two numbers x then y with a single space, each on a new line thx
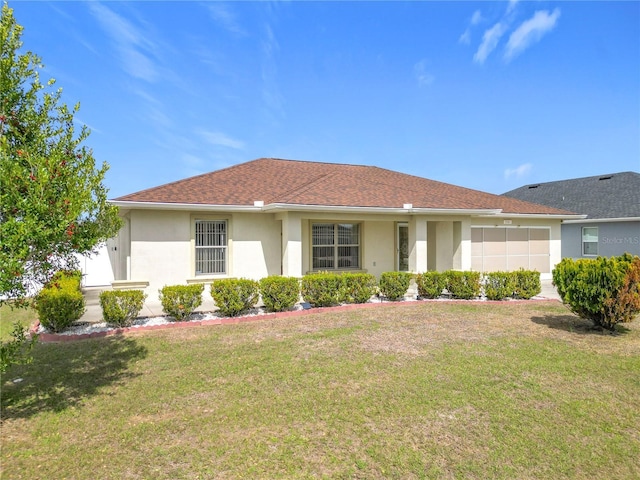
335 246
590 241
211 247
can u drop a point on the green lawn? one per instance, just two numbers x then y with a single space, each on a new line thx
418 390
8 316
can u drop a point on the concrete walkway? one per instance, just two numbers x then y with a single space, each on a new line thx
153 308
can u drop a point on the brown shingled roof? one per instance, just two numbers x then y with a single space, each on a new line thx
326 184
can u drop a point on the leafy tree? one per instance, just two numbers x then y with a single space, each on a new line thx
52 200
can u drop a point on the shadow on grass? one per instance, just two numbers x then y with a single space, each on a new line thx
575 324
62 375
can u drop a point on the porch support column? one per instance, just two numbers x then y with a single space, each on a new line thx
462 248
291 244
418 244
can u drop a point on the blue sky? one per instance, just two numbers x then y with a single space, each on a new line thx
486 95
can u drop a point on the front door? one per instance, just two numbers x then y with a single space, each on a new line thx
402 247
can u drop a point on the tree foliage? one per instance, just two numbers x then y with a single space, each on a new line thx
18 349
52 200
604 290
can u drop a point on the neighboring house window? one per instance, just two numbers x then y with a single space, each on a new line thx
590 240
211 247
335 246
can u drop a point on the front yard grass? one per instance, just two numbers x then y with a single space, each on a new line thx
415 390
8 316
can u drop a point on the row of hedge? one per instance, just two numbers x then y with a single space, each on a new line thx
60 303
236 296
522 284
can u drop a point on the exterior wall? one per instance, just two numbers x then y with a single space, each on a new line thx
96 269
120 251
379 247
614 238
160 248
255 246
156 248
444 246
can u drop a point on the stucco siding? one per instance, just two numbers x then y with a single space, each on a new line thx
160 248
379 247
614 238
255 246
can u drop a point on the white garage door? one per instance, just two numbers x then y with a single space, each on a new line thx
506 249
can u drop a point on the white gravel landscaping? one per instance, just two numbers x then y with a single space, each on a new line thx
81 328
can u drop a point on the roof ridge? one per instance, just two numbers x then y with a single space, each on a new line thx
306 186
580 178
315 162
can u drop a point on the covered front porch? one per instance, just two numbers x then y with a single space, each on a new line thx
374 244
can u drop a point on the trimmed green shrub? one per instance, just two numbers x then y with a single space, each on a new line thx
394 285
526 283
430 284
357 287
179 301
499 285
625 305
321 289
463 285
234 296
603 290
60 302
121 307
279 293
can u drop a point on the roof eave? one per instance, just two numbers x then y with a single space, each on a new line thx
184 206
558 216
272 207
279 207
604 220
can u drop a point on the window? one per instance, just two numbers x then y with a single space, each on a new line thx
211 247
335 246
590 240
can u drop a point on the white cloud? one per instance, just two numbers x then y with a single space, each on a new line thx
511 6
476 18
518 172
490 41
422 75
129 41
531 31
220 139
226 19
465 38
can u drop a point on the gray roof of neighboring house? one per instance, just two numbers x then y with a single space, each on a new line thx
616 195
